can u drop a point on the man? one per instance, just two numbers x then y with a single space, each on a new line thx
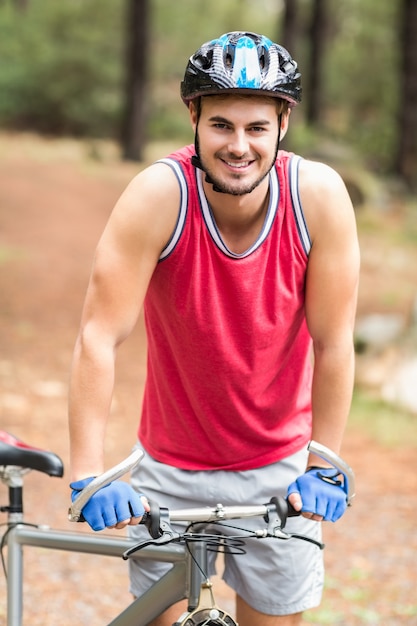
244 258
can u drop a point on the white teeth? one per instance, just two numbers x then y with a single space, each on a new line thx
239 164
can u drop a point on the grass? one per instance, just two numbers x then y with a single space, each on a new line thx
387 424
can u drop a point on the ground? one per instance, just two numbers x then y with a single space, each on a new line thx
54 200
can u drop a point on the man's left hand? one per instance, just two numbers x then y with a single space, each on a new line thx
318 495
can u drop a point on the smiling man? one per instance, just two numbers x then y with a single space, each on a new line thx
245 260
235 137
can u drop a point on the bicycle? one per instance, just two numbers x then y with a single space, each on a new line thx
186 551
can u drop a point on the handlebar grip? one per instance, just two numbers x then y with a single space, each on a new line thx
152 519
284 509
291 510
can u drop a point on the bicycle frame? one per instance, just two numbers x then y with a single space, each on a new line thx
183 580
186 578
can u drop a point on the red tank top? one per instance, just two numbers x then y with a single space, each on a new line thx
229 362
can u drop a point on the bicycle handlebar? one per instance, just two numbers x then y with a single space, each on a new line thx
217 513
338 463
274 514
75 515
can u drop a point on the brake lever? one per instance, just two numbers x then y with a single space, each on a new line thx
158 525
165 538
165 533
279 510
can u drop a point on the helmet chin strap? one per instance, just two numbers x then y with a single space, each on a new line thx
196 160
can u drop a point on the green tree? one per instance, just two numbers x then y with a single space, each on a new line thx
60 69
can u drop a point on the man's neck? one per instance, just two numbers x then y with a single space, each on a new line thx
239 219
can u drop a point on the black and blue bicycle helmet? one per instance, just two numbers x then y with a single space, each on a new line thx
242 62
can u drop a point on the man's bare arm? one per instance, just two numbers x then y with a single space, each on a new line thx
137 231
331 297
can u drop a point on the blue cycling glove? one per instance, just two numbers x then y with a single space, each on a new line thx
114 503
321 493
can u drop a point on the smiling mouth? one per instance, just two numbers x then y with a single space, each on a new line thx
238 164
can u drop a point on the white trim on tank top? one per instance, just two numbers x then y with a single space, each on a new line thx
296 203
210 221
212 226
179 226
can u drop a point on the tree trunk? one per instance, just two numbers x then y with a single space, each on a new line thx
406 160
290 26
317 37
21 5
134 118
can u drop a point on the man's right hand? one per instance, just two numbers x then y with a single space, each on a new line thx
114 506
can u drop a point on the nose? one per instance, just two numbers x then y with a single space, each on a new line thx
238 144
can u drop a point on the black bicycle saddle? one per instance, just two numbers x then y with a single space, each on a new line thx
17 453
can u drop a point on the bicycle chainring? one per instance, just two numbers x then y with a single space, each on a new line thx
206 617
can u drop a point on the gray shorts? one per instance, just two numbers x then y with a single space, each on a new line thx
274 576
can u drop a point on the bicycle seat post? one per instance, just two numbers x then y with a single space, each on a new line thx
13 478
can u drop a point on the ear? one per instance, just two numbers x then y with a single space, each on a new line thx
285 120
193 115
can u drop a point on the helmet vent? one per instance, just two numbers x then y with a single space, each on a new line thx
263 59
204 60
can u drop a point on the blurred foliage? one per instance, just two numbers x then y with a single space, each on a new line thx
362 87
387 424
62 66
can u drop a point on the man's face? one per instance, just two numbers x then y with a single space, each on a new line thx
237 139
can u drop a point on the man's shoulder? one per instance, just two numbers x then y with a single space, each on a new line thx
181 155
319 173
324 197
159 179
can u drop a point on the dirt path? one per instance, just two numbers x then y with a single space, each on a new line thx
53 205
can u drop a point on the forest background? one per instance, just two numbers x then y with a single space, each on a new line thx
89 93
101 68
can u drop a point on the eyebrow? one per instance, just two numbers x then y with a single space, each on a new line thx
224 120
